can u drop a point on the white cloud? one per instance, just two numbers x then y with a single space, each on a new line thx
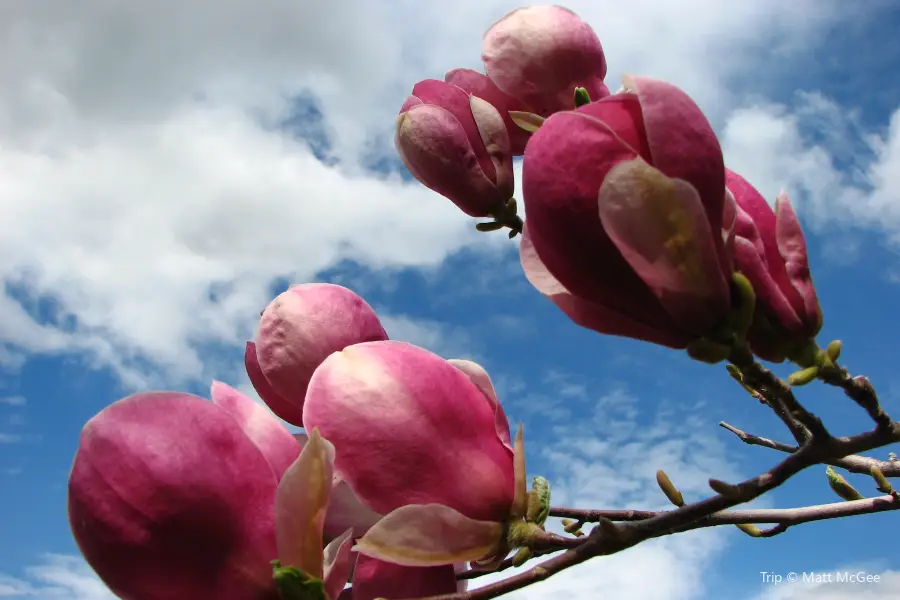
847 178
147 191
58 577
13 400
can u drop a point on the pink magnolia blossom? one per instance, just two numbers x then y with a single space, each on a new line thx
629 223
770 250
297 331
174 497
540 54
169 497
457 145
480 85
411 428
444 462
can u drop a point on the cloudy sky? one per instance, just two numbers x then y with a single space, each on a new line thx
166 168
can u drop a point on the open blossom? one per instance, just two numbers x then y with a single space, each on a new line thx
172 496
443 446
297 331
457 145
629 223
770 251
540 54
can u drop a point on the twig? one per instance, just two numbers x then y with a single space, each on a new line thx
784 516
852 463
860 390
778 395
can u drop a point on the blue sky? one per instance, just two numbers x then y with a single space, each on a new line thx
157 194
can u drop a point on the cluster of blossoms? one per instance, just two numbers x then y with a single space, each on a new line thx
407 471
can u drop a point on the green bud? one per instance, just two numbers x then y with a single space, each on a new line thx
840 485
538 501
294 584
522 556
665 484
745 296
884 485
581 97
708 351
834 350
530 122
749 529
803 376
512 206
489 226
725 489
735 373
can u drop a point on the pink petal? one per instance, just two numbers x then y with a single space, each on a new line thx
480 85
291 413
540 54
430 535
338 563
277 444
434 147
683 144
346 511
300 506
456 101
587 314
481 378
520 499
410 428
373 579
168 498
659 226
305 324
792 247
495 139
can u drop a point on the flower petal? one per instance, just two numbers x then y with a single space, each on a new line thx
286 410
480 85
659 226
373 579
481 378
496 143
792 247
338 563
430 535
588 314
520 499
276 442
300 505
345 510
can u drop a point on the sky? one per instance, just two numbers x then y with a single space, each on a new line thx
167 168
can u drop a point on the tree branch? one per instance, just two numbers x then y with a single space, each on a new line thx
852 463
785 516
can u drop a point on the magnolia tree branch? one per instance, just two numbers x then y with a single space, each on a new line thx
784 516
817 446
854 464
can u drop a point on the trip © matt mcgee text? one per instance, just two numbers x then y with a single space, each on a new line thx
820 577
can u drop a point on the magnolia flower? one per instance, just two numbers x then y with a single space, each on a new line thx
540 54
457 145
174 497
298 329
629 223
424 441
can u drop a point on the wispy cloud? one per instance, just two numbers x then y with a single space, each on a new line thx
57 576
